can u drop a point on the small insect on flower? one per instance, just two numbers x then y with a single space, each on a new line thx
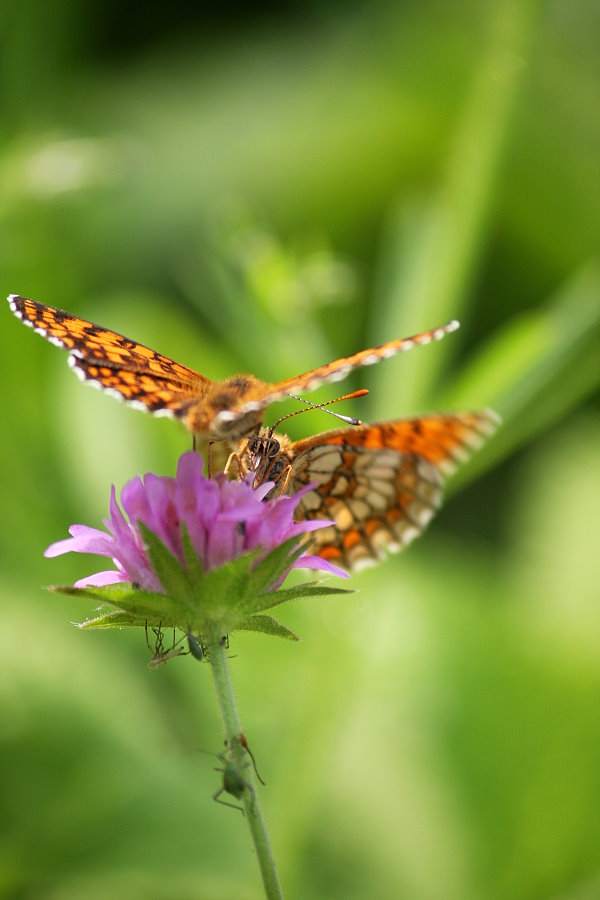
160 655
234 783
195 647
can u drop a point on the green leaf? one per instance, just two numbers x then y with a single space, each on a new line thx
266 625
117 594
171 574
114 618
310 589
142 605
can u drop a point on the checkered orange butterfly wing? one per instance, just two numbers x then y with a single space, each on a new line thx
381 484
144 378
341 368
135 373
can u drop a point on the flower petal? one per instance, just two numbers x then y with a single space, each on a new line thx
317 562
83 540
224 519
222 543
129 551
110 576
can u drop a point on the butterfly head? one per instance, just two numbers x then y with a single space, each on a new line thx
266 455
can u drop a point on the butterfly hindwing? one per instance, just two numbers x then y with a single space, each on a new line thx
381 484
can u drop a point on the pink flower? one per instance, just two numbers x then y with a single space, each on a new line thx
224 519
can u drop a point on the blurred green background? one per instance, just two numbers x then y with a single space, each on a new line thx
263 187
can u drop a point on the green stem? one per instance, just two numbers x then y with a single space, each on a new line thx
217 655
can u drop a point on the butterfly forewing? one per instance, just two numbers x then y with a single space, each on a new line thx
336 370
226 410
118 365
381 484
143 390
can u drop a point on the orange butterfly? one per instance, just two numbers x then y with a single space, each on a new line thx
219 410
380 484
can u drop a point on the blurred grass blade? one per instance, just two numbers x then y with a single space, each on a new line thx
432 248
536 370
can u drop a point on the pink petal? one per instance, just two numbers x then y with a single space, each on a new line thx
110 576
317 562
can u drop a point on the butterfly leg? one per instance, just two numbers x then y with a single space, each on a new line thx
241 468
287 472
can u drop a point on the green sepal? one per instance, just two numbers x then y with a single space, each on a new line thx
169 570
192 563
274 565
267 625
219 593
113 618
141 605
298 592
229 598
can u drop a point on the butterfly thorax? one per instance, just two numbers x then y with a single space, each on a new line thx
217 412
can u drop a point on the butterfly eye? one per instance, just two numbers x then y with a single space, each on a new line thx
273 449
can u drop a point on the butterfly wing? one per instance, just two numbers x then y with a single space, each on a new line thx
128 370
264 394
381 484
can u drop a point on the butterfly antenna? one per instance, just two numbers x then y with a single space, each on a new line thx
350 420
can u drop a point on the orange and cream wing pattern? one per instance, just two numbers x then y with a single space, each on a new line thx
147 380
335 371
122 367
381 484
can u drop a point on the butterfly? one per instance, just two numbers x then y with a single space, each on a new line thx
145 379
380 484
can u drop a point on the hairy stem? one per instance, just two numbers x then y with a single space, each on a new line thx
217 654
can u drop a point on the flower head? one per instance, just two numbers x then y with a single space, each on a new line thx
224 520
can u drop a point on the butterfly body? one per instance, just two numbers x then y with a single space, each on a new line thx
208 414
